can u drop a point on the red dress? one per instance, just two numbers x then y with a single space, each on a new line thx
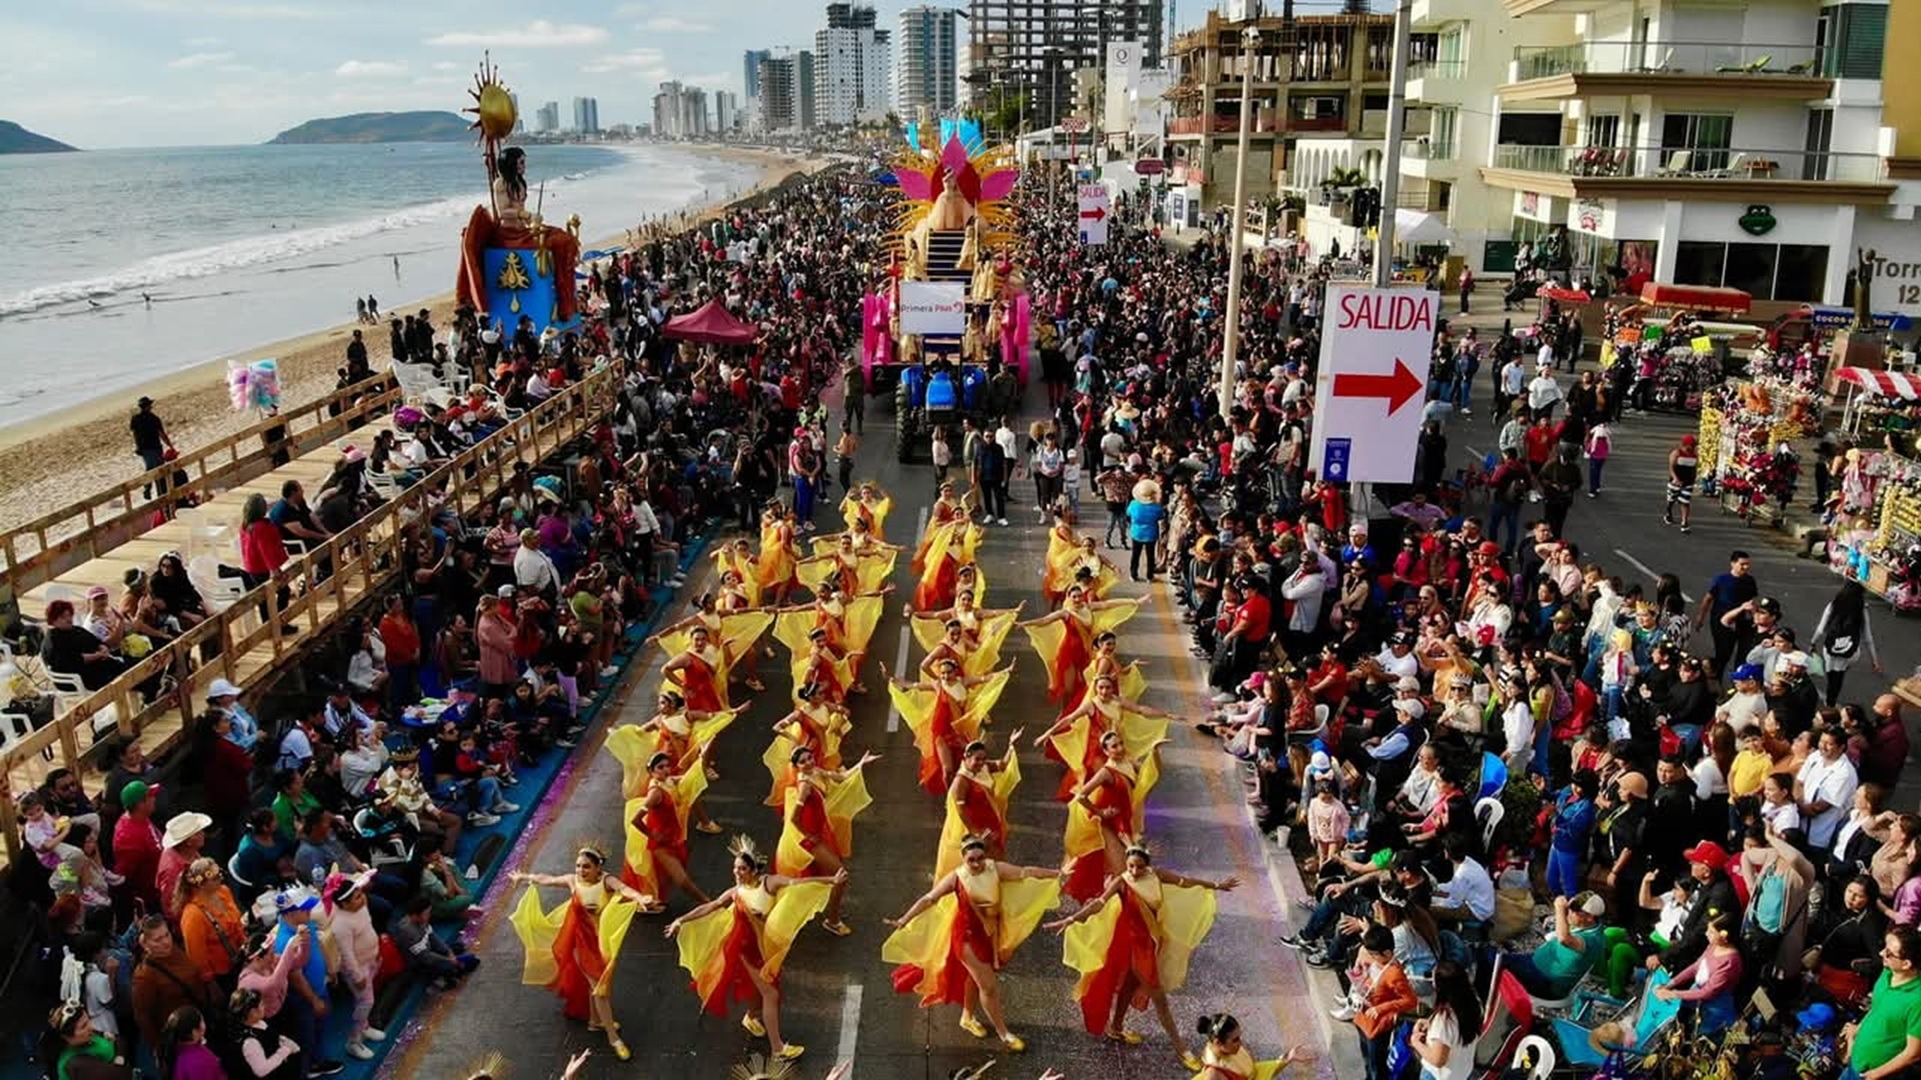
1133 950
741 954
944 725
969 935
1087 873
699 684
577 956
817 832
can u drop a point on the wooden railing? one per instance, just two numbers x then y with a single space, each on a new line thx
40 550
365 559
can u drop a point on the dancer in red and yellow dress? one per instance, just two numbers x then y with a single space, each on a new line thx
738 558
1107 814
1131 943
948 544
686 735
951 944
774 568
734 945
946 713
982 631
657 833
866 508
1076 738
854 568
1065 638
572 949
732 627
700 671
817 826
977 803
842 624
1068 553
1223 1057
815 724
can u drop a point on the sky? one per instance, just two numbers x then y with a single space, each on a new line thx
118 73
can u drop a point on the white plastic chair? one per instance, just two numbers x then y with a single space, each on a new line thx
219 592
1489 813
14 727
416 380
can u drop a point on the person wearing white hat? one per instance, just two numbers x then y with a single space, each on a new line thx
243 730
182 842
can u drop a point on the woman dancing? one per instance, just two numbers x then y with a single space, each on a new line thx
572 949
1077 739
982 631
700 672
1064 638
774 567
657 833
1137 950
817 826
1107 813
977 803
734 944
1224 1057
945 714
813 723
948 543
867 506
952 943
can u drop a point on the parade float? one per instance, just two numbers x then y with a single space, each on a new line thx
952 309
516 271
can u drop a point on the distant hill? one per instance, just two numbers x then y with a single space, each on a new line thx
378 127
15 139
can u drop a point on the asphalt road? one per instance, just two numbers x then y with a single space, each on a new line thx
839 1002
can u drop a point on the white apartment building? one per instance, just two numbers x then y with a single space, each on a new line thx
926 71
1755 145
853 67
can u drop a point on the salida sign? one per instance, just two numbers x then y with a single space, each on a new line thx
1374 362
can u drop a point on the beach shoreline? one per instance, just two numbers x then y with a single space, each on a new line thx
89 443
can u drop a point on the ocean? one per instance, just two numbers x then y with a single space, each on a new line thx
240 246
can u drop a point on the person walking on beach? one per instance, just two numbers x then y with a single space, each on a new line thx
356 352
150 441
373 309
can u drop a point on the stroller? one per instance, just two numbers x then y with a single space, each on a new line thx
1605 1032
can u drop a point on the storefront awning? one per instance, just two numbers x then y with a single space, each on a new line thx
1885 383
1565 296
1695 297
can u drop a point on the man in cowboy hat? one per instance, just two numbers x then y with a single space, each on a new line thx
1145 516
243 730
181 844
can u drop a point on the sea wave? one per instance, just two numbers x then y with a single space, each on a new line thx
150 274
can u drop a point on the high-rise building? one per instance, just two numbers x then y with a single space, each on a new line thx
750 82
726 112
1033 47
926 66
852 67
587 115
520 122
776 100
547 118
804 91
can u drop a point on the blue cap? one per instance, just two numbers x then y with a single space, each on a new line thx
1816 1017
1747 671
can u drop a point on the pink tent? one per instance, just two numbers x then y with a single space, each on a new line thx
711 325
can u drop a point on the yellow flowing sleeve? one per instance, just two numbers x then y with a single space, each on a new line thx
824 545
994 631
791 629
1148 776
1133 681
1084 945
982 699
952 828
637 856
881 509
934 547
812 572
863 615
844 804
615 919
632 747
1024 904
1141 732
794 907
1083 833
675 642
1071 745
1047 639
791 857
741 631
706 731
928 630
537 931
917 708
778 759
970 540
700 942
875 569
924 941
1105 581
980 580
1187 914
1112 618
750 582
1268 1070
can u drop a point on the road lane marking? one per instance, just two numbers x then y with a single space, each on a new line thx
1645 569
849 1023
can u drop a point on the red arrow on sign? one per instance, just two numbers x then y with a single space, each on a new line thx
1096 214
1397 388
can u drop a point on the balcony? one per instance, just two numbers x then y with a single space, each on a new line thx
1428 149
1664 172
1335 124
1614 68
1263 121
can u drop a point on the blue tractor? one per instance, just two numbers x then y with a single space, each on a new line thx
937 392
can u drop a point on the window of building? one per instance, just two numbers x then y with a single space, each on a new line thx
1699 262
1750 268
1852 39
1765 271
1603 130
1442 126
1451 48
1814 164
1706 135
1801 272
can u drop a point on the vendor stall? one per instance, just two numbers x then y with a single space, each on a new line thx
1746 440
1674 356
1875 521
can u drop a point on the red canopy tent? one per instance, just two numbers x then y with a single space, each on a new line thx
1696 297
711 325
1565 296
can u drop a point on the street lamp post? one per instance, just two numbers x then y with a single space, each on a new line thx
1231 337
1391 160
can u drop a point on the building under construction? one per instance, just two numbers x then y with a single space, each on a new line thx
1033 47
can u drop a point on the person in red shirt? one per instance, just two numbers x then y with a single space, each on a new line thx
1539 442
402 638
136 843
1328 681
1333 507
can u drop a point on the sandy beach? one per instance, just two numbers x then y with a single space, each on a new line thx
52 459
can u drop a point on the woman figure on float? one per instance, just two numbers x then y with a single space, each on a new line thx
950 945
734 945
572 949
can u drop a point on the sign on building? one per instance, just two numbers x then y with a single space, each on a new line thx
933 307
1096 207
1375 348
1123 78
